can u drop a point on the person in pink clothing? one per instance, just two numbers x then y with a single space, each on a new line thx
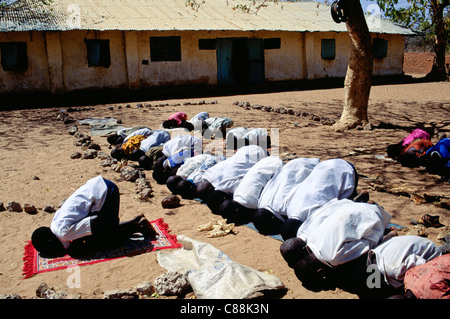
178 120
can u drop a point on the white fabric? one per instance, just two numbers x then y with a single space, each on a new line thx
158 137
212 274
343 230
278 187
334 178
395 256
181 142
71 221
198 120
249 189
226 175
143 131
257 136
194 167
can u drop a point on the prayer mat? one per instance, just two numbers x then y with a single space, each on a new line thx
35 264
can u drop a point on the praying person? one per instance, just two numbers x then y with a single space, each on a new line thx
385 267
329 179
88 222
175 151
410 151
177 120
136 146
119 136
190 173
221 180
272 208
245 199
437 158
339 232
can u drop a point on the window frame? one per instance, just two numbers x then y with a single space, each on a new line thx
272 43
104 58
165 49
21 63
324 45
380 48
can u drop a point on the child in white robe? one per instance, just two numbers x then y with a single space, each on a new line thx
337 233
245 199
88 222
221 180
272 211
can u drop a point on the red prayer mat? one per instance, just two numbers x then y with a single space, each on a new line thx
35 264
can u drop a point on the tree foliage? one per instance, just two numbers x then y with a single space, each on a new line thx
416 14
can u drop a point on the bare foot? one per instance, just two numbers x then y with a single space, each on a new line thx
146 228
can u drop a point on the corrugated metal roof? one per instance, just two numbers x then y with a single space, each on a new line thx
164 15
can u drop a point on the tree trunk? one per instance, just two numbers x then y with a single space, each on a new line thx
358 80
439 72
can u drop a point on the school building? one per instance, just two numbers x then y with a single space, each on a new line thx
76 45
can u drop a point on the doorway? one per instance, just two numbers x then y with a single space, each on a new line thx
240 61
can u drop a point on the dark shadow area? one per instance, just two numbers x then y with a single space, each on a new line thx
106 96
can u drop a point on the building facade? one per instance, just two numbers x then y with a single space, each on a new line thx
60 57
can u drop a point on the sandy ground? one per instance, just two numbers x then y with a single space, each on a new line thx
35 144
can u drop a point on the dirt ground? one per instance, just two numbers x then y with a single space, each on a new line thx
37 169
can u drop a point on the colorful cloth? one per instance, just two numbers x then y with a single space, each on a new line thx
443 148
430 280
133 143
35 264
179 117
417 134
417 148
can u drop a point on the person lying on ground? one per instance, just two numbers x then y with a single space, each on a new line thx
137 146
437 158
410 151
175 151
220 181
428 281
240 208
190 173
382 271
177 120
118 137
337 233
329 179
88 222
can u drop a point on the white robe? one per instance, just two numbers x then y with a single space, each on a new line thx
395 256
278 187
143 131
249 189
194 167
71 221
226 175
182 142
343 230
334 178
158 137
